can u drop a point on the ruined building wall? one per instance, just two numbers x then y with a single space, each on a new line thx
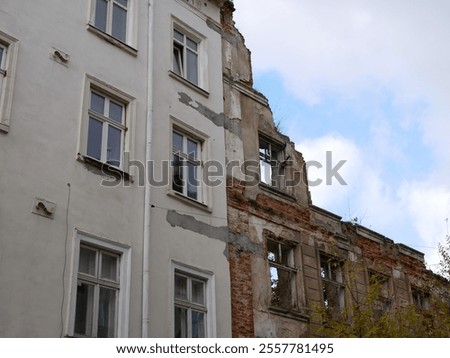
287 256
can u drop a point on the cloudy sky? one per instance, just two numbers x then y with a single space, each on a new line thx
370 82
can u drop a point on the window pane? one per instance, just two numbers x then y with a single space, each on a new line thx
178 59
178 35
101 9
177 142
97 103
192 149
94 147
198 324
109 267
177 180
107 313
198 292
115 111
123 2
84 309
86 263
281 285
113 150
192 69
181 287
180 322
191 44
119 23
192 188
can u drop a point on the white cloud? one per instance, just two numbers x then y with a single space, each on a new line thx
350 48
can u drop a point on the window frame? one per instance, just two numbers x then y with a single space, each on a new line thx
382 303
289 266
8 73
124 281
275 164
208 278
130 42
201 52
420 299
337 283
203 200
189 160
93 85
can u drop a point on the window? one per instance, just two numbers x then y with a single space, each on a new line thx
101 288
97 293
185 56
186 165
282 274
106 135
420 299
8 60
106 129
271 163
379 287
190 306
332 284
111 17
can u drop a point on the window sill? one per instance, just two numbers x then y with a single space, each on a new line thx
276 191
104 169
299 315
189 201
4 127
112 40
189 84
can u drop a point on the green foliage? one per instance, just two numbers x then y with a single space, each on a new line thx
367 316
444 252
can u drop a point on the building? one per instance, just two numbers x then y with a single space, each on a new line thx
141 193
91 91
290 260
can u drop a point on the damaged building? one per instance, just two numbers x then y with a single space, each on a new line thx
290 259
112 113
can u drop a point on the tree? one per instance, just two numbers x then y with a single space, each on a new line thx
370 315
444 252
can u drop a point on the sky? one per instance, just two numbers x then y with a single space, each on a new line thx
368 81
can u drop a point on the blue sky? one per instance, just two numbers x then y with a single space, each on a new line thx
369 81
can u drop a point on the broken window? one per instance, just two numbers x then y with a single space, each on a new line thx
420 299
271 163
97 294
110 16
185 56
333 288
379 288
106 129
190 306
282 273
186 165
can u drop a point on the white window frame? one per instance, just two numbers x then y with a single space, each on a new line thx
188 160
202 58
127 127
123 304
203 190
8 68
130 42
210 294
